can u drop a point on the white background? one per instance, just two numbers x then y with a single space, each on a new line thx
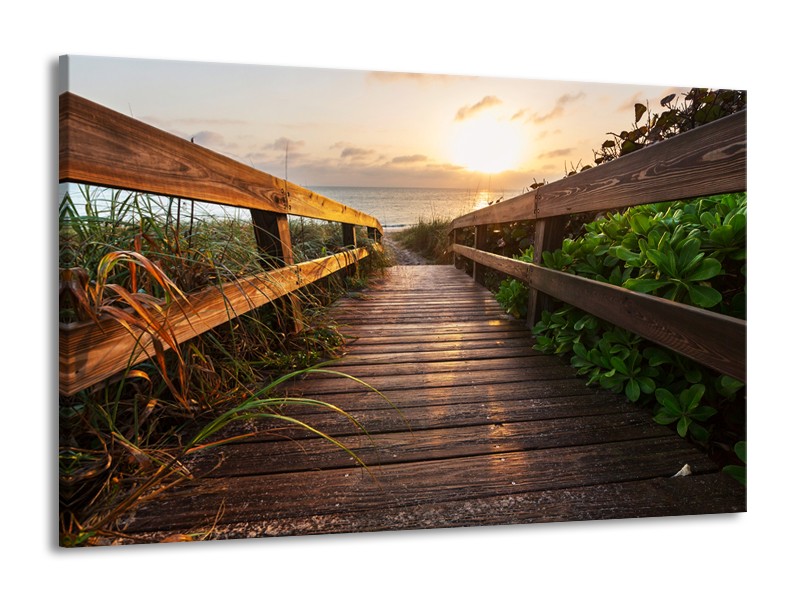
638 42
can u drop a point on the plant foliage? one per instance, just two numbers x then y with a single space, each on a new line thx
692 252
127 256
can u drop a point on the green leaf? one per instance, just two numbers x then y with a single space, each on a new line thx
704 296
668 401
663 418
608 144
667 99
683 426
624 254
741 451
693 375
629 146
722 236
737 472
647 384
632 390
708 268
728 386
703 413
619 365
709 220
698 432
640 224
690 399
657 356
660 260
644 285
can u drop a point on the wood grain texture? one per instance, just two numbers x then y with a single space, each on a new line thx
701 494
548 236
715 340
460 437
711 159
274 242
103 147
90 353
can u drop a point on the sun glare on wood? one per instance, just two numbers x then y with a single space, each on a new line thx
486 145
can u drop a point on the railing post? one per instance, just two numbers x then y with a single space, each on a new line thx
480 243
451 240
548 235
275 244
349 242
374 234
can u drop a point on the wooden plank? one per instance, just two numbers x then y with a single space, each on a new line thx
410 330
535 392
451 379
711 159
383 346
715 340
520 208
103 147
286 456
534 396
338 491
450 413
90 353
698 495
379 365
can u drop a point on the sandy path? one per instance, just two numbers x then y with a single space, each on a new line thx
401 255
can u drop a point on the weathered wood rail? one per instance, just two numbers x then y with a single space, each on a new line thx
102 147
711 159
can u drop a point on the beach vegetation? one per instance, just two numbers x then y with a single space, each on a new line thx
127 257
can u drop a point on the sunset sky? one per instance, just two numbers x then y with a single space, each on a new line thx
371 128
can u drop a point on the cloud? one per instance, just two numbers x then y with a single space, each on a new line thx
543 134
557 153
519 114
467 111
557 110
409 158
356 153
281 143
444 167
209 139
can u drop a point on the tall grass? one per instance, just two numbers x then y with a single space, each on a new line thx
128 256
427 238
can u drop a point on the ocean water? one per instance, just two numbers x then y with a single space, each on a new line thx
401 207
395 208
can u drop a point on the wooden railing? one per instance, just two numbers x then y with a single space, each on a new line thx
102 147
711 159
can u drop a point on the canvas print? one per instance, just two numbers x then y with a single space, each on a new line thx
298 301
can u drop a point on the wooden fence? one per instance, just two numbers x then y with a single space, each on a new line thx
102 147
711 159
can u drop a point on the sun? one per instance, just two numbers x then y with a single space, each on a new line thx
486 145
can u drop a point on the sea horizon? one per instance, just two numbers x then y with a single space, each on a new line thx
395 207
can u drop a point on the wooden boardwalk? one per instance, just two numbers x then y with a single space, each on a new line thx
484 430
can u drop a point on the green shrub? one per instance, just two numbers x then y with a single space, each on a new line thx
692 252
